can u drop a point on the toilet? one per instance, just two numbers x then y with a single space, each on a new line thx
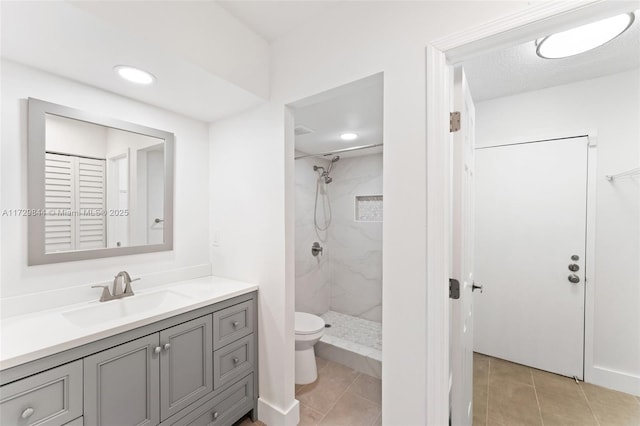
309 329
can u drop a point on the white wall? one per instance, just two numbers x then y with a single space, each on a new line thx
249 202
611 106
191 227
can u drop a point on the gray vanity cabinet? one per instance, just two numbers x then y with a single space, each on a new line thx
185 365
121 384
198 367
148 380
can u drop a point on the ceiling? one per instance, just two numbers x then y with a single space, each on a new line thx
273 19
355 107
518 69
67 40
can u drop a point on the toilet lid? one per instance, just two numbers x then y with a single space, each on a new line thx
308 323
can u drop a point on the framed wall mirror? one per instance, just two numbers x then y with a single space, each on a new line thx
98 187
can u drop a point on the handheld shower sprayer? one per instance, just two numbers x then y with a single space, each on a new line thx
324 175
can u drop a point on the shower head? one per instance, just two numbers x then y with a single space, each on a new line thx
325 172
333 160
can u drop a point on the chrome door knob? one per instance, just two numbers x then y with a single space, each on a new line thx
235 324
167 346
236 360
573 278
157 349
214 415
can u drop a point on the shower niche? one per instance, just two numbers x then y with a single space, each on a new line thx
339 205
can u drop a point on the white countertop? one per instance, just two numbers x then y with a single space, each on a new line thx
28 337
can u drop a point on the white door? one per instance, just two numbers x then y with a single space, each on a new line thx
530 229
461 328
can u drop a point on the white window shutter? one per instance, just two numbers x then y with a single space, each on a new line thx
59 199
74 186
90 197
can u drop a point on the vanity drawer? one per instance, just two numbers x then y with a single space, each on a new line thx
233 361
53 397
224 408
232 323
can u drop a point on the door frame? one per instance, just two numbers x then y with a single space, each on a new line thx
588 370
533 22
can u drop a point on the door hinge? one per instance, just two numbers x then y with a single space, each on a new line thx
454 121
454 289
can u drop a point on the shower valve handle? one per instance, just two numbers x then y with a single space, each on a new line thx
316 249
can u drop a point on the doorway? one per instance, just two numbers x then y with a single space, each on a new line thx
439 72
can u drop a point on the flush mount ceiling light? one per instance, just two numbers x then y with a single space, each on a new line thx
581 39
349 136
134 75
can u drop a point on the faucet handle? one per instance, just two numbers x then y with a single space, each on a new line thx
106 295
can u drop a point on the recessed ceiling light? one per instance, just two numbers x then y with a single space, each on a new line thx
134 75
349 136
584 38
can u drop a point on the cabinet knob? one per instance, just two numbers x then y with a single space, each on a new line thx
27 413
236 360
157 349
167 346
235 324
214 415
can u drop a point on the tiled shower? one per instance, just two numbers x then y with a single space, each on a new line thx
344 284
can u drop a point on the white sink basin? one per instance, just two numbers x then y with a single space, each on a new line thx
103 312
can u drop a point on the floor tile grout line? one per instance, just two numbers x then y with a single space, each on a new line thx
362 396
342 394
593 413
535 391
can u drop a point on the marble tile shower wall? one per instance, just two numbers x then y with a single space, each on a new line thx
313 274
348 278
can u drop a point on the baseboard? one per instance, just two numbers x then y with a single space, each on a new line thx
615 380
274 416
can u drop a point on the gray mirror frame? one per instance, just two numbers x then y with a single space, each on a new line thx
37 110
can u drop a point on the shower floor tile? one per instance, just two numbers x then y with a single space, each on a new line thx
354 334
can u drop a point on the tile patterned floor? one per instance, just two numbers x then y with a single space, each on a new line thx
340 396
504 394
508 394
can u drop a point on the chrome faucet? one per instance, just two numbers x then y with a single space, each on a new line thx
121 279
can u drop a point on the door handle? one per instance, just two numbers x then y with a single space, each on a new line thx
574 279
475 287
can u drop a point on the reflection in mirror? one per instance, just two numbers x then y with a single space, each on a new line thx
98 186
104 187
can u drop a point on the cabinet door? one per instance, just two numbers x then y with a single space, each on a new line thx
186 364
121 385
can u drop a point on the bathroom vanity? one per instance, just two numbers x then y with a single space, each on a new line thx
190 358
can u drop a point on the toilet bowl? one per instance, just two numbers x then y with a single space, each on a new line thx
309 329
